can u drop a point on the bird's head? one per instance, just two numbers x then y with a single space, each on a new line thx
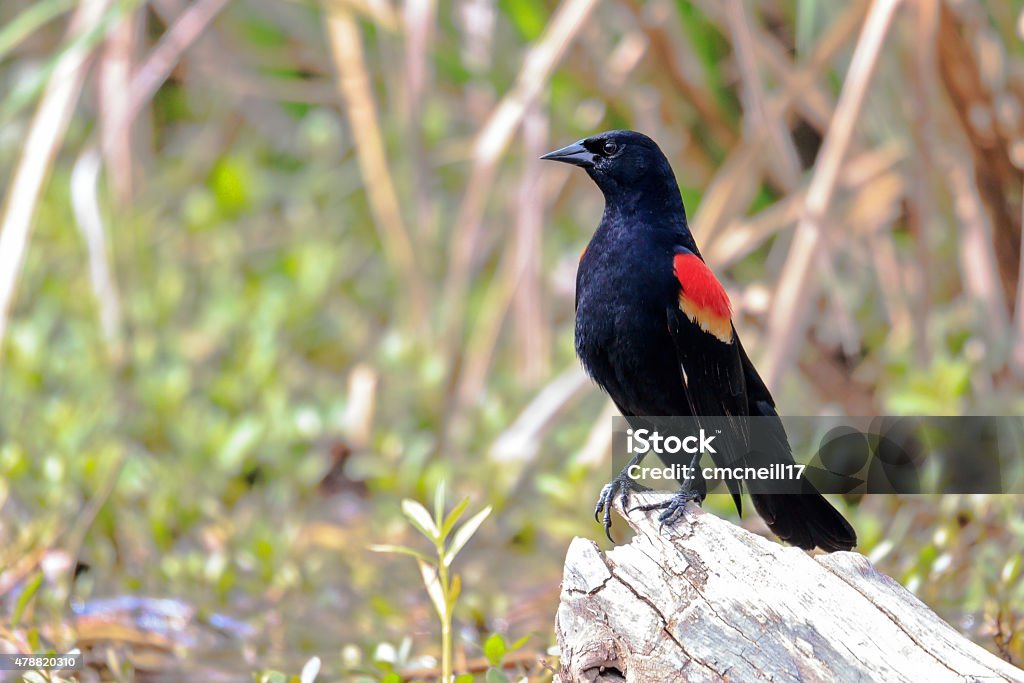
620 162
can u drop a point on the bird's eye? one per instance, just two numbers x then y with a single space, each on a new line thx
610 148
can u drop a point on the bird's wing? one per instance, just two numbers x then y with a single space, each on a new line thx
709 356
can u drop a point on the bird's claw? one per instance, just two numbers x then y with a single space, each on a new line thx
621 486
673 508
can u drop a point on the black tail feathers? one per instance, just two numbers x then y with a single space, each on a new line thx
805 520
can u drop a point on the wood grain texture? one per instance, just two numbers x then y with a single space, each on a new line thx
706 600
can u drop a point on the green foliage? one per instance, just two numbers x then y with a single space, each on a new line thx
442 587
528 16
25 598
937 390
252 272
495 675
495 649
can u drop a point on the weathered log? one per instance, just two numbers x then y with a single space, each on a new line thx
705 600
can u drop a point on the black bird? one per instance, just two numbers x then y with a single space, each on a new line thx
654 330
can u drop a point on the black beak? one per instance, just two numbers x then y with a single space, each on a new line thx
575 154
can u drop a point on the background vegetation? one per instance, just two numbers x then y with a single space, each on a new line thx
268 267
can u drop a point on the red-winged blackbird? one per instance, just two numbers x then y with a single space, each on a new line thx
654 329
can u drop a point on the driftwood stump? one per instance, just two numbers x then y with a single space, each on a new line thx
706 600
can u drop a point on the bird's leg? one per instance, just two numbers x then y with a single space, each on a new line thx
672 509
620 487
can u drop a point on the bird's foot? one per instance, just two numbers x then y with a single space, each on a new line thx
672 508
620 487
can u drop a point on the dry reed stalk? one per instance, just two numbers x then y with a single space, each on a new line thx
483 337
521 440
1017 348
977 254
784 164
745 234
529 314
798 286
225 70
894 297
354 85
361 394
921 200
114 81
813 100
532 328
491 142
722 197
730 191
997 180
45 134
159 63
86 205
878 189
653 18
598 445
419 20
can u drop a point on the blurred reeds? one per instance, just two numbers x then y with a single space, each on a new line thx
333 216
787 145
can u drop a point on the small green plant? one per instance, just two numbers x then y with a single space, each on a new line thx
496 649
442 586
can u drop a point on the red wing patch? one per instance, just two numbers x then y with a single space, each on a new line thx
702 297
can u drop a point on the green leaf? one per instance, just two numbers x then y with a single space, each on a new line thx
391 677
230 181
434 589
453 517
806 18
454 591
465 533
420 519
519 643
262 33
26 597
439 504
464 678
528 16
25 24
401 550
495 649
496 676
243 438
